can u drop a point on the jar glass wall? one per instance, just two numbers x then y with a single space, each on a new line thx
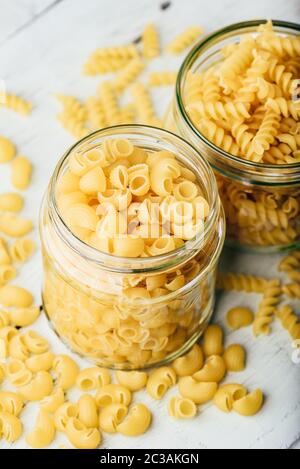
96 301
261 201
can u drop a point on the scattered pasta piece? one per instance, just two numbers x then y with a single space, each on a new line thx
184 40
133 380
267 307
249 405
14 226
11 202
235 358
182 408
7 150
290 321
238 318
15 103
150 39
162 78
21 172
227 395
189 363
43 433
22 249
213 341
214 370
137 421
16 297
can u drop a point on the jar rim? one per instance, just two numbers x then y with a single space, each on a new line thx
292 169
124 264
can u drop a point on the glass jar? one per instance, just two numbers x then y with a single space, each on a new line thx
261 201
96 302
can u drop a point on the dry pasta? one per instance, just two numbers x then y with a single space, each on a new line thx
241 282
198 392
63 413
190 363
43 433
7 150
11 202
113 394
39 387
88 411
162 78
160 381
92 378
132 380
13 296
290 321
249 405
227 394
21 172
214 370
182 408
137 421
111 416
66 371
239 317
22 249
82 437
10 427
11 402
150 39
213 341
235 357
16 103
14 226
184 40
266 311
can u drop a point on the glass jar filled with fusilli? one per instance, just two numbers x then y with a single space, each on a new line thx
132 228
237 101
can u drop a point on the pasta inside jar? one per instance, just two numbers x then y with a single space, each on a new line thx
130 259
238 102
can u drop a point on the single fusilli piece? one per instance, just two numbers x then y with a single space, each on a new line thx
72 108
293 141
290 321
266 311
218 110
290 262
241 282
217 135
73 126
184 40
95 111
277 73
247 93
280 46
15 103
98 66
127 52
236 64
292 290
128 74
265 237
162 78
283 107
264 137
110 103
150 39
256 213
144 105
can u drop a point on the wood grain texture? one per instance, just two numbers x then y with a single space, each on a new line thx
43 45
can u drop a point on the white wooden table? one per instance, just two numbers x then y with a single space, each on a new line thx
43 44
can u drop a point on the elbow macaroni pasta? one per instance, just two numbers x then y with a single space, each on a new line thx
137 421
190 363
182 408
238 318
132 380
198 392
213 341
160 381
235 358
43 433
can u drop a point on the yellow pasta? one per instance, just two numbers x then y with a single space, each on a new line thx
63 413
92 378
5 258
88 411
198 392
21 172
66 371
16 103
266 311
41 362
214 370
234 357
160 381
39 387
11 403
7 150
290 321
150 40
190 363
137 421
43 433
227 395
184 40
11 202
22 249
14 226
10 427
213 341
132 380
128 74
7 273
249 405
162 78
54 401
113 394
239 317
13 296
82 437
22 317
182 408
111 416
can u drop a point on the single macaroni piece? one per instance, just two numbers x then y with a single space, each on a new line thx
227 395
241 282
39 387
214 370
213 341
14 226
66 370
137 421
160 381
43 433
88 411
4 253
132 380
235 358
35 343
92 378
17 347
17 373
54 401
239 317
22 317
11 202
113 394
21 172
7 273
82 437
290 321
11 403
184 40
162 78
2 372
267 307
12 296
182 408
150 40
16 103
41 362
22 249
11 427
111 416
199 393
7 150
189 363
65 412
249 405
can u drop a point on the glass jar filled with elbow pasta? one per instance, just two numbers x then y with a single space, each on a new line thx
132 228
237 101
